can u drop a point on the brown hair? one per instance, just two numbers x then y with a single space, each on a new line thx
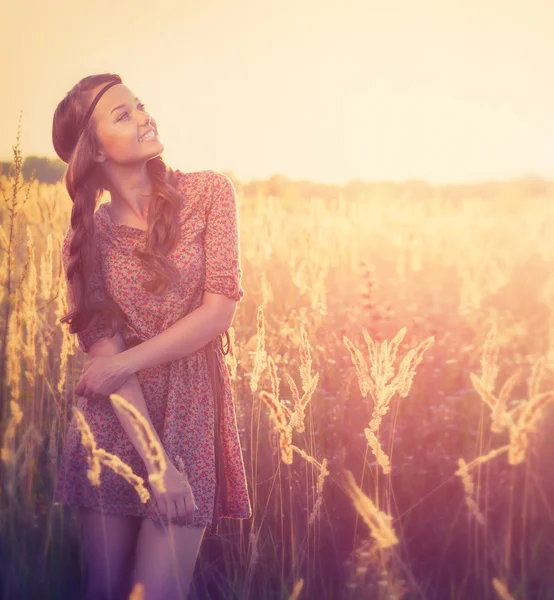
85 185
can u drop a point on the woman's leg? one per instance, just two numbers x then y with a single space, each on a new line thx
165 559
109 544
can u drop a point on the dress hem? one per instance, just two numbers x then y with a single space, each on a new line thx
130 511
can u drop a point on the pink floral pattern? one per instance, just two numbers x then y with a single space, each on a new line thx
179 395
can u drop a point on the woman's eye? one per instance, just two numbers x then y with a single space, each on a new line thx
140 106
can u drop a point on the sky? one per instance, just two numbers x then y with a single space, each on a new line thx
446 91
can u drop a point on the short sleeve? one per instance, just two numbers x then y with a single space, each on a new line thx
96 291
221 240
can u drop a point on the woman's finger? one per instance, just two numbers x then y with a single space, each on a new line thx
190 508
167 507
162 507
181 509
172 512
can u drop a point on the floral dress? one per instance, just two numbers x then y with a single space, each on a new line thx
189 400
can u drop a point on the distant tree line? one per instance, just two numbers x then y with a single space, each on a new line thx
47 170
515 191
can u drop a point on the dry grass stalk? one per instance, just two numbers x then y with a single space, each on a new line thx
380 454
309 384
29 309
284 418
305 360
295 594
281 416
253 551
378 522
3 275
376 381
463 473
137 593
520 420
152 448
388 584
125 471
13 351
469 489
275 381
382 357
501 589
231 358
7 452
24 455
97 456
31 442
46 269
323 472
486 457
370 574
52 450
4 242
406 371
69 342
361 368
299 414
489 361
261 355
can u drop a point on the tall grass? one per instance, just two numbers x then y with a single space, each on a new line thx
383 459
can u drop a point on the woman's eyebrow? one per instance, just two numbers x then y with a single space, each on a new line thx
120 106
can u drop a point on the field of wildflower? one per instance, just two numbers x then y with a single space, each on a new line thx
393 370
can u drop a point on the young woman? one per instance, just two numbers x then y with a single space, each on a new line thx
153 280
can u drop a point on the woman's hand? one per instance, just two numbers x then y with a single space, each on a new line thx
177 503
102 376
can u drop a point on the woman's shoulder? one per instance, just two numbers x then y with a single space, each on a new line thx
193 182
199 183
195 186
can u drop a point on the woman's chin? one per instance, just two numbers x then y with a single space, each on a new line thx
155 150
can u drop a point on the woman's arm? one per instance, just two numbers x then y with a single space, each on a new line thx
187 335
131 391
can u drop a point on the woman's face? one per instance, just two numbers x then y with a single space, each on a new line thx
121 121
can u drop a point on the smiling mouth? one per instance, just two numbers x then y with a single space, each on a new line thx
151 135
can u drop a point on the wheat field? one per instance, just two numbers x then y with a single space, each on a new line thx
393 369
